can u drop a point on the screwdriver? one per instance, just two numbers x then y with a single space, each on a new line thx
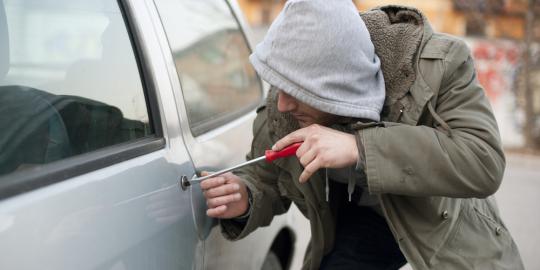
269 156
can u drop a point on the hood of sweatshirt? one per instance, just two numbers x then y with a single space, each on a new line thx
320 52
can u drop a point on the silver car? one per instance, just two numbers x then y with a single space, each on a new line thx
104 107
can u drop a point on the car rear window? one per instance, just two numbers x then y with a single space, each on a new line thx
211 57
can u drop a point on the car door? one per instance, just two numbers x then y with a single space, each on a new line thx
217 91
92 151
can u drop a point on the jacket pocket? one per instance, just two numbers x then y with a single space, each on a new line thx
478 237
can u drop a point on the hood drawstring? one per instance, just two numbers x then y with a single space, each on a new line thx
327 186
439 120
351 184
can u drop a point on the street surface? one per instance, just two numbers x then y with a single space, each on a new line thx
519 199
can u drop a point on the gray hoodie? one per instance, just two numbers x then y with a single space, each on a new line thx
320 52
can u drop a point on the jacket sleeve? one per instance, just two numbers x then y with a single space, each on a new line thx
261 179
424 161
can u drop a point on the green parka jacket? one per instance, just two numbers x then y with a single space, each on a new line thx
434 162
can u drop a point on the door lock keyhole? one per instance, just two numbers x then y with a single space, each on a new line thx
184 182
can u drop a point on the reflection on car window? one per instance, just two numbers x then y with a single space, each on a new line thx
211 58
69 81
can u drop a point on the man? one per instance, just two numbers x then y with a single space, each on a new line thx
414 188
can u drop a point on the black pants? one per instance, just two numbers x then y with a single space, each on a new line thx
363 242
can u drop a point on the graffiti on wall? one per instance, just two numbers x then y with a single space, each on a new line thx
496 64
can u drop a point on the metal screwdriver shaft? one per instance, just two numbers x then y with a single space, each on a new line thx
198 179
269 156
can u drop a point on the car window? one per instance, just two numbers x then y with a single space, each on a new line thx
69 81
211 57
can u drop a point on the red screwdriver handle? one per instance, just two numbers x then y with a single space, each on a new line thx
285 152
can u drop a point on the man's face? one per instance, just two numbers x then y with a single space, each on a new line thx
305 114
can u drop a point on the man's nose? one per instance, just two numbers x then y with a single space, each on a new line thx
285 102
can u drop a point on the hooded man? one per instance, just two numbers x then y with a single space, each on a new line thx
413 188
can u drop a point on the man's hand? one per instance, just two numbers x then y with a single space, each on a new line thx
226 196
322 147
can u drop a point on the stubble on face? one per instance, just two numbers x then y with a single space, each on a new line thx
305 114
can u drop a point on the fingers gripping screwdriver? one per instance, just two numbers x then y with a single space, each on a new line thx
269 156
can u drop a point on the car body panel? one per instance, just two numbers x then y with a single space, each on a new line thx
101 219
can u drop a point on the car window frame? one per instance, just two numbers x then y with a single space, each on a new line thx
221 120
23 181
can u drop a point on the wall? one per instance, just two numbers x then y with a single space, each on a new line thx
497 63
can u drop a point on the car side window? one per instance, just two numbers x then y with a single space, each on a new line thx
69 81
211 57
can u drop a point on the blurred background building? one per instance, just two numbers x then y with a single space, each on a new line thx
503 36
